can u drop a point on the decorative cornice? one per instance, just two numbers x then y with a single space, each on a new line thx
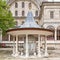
47 4
25 17
18 29
51 3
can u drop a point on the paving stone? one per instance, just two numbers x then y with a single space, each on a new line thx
6 55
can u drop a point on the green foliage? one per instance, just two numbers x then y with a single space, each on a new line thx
6 19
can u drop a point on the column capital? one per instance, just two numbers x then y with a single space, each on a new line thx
16 35
13 35
46 37
27 34
39 35
55 28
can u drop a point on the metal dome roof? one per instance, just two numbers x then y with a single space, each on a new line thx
30 22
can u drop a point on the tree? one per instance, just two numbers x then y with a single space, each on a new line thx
6 18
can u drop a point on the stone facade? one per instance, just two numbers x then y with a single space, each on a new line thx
45 19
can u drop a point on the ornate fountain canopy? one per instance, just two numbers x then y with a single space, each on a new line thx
29 27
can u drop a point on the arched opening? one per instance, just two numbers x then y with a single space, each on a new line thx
58 33
51 37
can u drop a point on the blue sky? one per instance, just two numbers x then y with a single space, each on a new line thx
54 0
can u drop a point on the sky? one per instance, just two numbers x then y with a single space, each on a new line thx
54 0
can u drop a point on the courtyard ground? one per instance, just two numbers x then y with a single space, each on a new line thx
53 55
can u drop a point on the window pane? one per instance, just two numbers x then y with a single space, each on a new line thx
16 13
51 14
36 13
23 5
23 13
16 4
29 5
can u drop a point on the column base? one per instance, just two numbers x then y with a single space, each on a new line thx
46 54
34 53
22 53
15 55
27 55
39 55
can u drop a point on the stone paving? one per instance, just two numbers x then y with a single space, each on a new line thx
53 55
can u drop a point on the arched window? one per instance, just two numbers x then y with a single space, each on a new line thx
23 13
16 13
36 13
16 5
29 5
23 5
51 37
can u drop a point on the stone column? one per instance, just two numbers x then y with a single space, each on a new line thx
17 53
13 46
39 51
41 41
46 53
27 53
55 34
9 37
